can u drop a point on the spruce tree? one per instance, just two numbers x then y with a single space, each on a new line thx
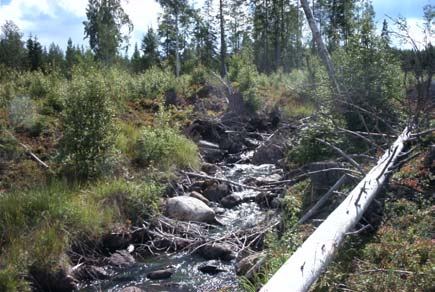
105 19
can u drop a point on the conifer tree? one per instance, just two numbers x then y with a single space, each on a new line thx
105 19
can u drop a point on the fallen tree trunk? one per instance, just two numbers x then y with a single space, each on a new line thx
311 259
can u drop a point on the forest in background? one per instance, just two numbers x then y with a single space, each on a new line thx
92 138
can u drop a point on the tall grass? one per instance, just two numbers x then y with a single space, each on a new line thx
37 226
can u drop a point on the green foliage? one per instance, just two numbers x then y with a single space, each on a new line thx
164 147
372 78
398 258
22 112
89 132
308 149
280 247
153 83
128 200
105 20
243 74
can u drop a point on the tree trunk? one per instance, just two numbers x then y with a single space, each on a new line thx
177 46
311 259
223 43
323 52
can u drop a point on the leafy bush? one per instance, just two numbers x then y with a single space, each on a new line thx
243 74
153 83
89 132
22 112
128 200
36 84
163 146
373 80
308 149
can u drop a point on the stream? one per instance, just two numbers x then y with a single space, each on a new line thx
187 276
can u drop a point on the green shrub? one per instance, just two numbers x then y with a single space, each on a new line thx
308 149
373 80
128 200
35 83
199 76
163 146
243 74
153 83
89 131
22 112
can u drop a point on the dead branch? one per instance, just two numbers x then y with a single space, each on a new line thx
359 230
322 200
29 151
370 141
304 175
341 152
390 271
423 132
223 180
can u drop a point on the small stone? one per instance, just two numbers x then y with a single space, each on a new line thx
231 201
199 196
220 251
132 289
121 258
160 274
210 267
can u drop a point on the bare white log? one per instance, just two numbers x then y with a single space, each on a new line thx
311 259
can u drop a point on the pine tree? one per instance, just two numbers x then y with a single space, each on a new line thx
385 34
12 51
150 49
106 18
136 60
205 36
55 56
34 54
174 29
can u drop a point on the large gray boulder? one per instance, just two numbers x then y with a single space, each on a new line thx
189 209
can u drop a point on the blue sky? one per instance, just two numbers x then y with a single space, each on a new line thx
57 20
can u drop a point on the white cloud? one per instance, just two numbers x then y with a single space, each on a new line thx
76 7
416 33
143 14
17 9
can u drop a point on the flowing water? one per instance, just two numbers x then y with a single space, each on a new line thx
187 277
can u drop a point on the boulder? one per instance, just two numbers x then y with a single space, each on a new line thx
211 267
268 154
90 272
218 251
231 200
323 180
121 258
189 209
212 155
246 263
265 179
119 239
132 289
56 280
161 274
210 169
216 191
200 197
264 199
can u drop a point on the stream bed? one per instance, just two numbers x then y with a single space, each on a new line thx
187 276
